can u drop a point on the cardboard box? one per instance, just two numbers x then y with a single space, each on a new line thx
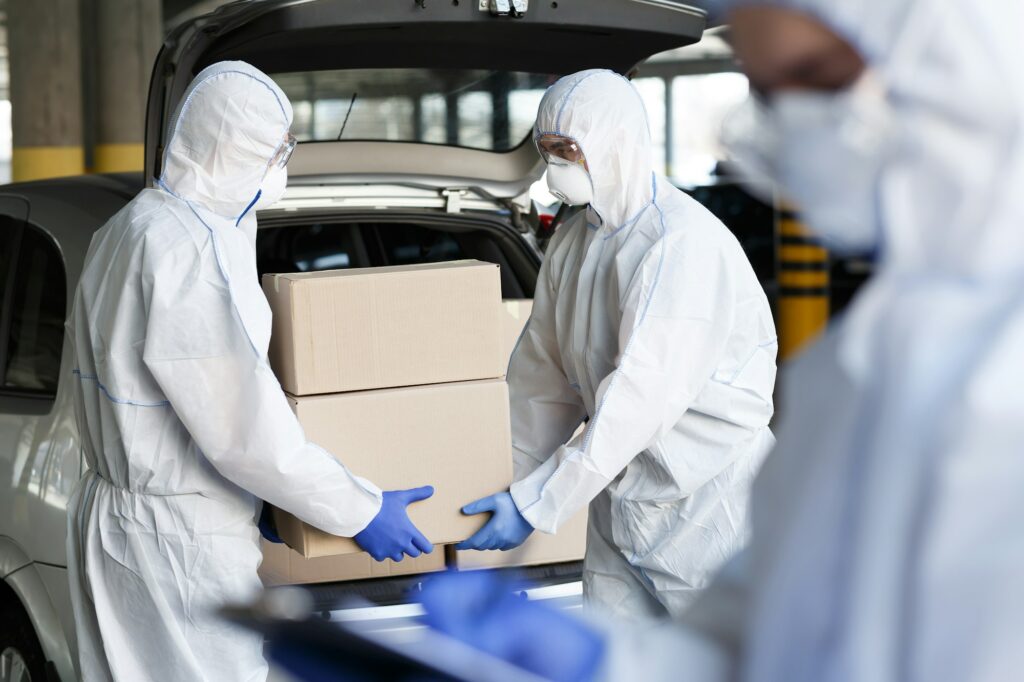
367 328
515 315
455 437
284 566
568 544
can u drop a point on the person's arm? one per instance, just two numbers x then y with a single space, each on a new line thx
676 320
227 396
545 408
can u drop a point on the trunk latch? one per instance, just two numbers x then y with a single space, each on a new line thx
505 8
454 197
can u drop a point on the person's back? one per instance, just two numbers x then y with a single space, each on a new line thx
125 417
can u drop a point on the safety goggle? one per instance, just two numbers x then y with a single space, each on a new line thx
284 152
561 147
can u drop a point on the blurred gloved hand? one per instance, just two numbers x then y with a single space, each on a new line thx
268 529
506 529
391 534
484 612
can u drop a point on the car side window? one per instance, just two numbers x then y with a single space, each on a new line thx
35 305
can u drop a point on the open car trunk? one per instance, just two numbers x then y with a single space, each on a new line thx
440 47
330 241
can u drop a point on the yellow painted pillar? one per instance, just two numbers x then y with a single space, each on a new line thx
131 35
46 93
803 286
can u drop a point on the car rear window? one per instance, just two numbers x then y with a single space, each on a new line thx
476 108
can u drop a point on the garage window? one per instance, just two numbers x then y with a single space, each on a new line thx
34 308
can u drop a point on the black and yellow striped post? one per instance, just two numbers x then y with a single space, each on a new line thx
803 285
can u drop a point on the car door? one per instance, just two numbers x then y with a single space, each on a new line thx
39 454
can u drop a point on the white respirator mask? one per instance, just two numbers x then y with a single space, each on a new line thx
570 182
272 189
826 153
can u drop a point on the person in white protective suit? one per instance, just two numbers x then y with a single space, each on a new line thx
649 323
183 424
886 542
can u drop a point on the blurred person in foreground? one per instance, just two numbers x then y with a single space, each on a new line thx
884 540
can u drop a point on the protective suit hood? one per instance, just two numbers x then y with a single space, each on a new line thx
221 139
604 113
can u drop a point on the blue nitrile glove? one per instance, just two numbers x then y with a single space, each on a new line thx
506 529
483 611
391 533
268 529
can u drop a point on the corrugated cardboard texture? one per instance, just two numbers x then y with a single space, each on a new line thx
367 328
283 566
515 314
455 437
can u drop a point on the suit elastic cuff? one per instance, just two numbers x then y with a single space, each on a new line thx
528 494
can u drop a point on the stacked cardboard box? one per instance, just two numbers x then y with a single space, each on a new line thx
399 373
570 542
284 566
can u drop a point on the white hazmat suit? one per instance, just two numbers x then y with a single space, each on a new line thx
182 420
886 541
649 322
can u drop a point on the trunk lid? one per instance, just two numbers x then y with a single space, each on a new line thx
440 93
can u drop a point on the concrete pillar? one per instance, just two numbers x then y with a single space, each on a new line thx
129 36
46 93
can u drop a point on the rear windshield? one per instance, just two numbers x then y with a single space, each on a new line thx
480 109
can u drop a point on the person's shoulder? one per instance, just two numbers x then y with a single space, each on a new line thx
162 229
685 222
679 211
568 232
162 222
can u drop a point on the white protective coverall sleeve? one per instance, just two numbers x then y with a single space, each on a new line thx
232 404
546 409
669 346
207 325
